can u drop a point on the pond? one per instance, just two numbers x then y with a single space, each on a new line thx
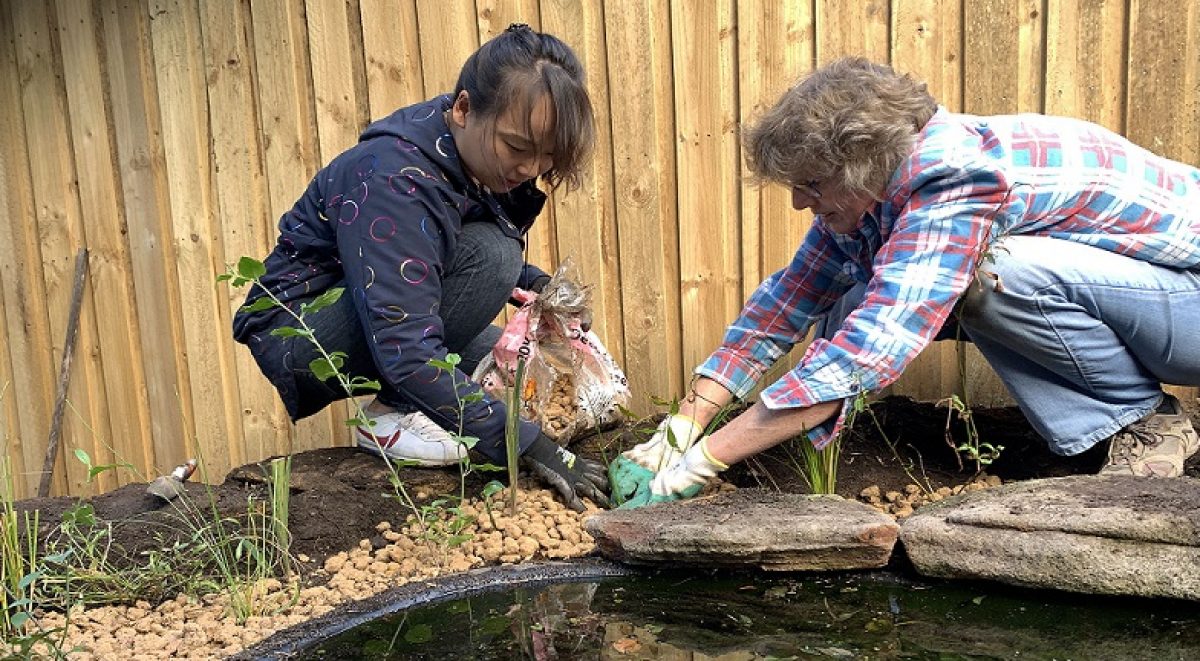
751 616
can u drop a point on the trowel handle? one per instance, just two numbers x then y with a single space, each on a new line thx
183 471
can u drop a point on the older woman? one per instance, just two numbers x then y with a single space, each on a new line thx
1067 254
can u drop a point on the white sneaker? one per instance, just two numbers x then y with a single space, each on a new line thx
409 437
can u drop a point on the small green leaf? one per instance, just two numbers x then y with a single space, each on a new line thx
250 268
363 384
441 364
326 299
489 467
468 441
83 457
978 600
289 331
58 558
454 359
18 620
492 488
96 470
260 304
458 540
326 368
28 579
224 276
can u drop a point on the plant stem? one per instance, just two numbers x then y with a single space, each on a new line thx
512 433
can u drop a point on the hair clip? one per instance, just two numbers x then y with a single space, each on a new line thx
518 27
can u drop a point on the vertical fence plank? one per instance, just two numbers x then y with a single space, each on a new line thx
1003 58
926 42
703 37
338 75
288 127
639 52
1003 73
851 28
775 47
339 82
146 209
27 347
588 228
393 57
12 471
1164 95
245 227
1085 60
179 67
86 422
103 218
494 16
448 35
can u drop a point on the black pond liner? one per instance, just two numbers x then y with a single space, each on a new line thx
296 639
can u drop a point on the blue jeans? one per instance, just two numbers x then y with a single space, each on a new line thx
1082 337
476 285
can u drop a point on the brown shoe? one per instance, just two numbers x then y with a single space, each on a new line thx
1155 446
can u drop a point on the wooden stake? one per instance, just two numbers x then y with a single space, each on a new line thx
64 373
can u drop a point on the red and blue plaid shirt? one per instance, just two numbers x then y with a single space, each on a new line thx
968 181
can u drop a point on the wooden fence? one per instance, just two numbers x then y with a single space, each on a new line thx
166 136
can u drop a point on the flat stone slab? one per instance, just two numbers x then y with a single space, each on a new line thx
1084 533
749 528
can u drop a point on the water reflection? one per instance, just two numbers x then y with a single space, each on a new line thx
732 618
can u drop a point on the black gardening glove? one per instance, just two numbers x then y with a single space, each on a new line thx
571 476
539 283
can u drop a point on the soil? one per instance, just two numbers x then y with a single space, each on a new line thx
340 502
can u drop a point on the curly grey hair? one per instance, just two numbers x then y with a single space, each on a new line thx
848 124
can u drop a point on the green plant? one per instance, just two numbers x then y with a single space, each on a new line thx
21 636
244 553
280 479
97 572
442 520
511 432
982 453
249 271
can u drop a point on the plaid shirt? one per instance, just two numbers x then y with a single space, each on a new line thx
968 181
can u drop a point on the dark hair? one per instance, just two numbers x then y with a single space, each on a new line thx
513 70
850 123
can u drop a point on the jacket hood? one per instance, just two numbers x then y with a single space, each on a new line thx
422 127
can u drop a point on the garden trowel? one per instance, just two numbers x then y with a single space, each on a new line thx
168 487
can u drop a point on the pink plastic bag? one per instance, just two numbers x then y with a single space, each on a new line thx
572 384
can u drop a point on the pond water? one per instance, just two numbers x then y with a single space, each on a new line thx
752 616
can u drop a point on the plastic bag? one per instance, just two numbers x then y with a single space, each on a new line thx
572 385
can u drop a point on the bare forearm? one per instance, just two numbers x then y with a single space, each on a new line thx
704 399
760 428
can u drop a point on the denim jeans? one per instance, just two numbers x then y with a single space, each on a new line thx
476 285
1082 337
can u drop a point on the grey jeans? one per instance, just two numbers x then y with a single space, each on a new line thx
476 285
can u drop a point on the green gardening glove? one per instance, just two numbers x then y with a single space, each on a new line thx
630 473
682 480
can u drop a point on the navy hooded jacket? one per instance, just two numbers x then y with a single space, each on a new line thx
384 217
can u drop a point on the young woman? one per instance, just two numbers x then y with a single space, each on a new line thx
423 224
